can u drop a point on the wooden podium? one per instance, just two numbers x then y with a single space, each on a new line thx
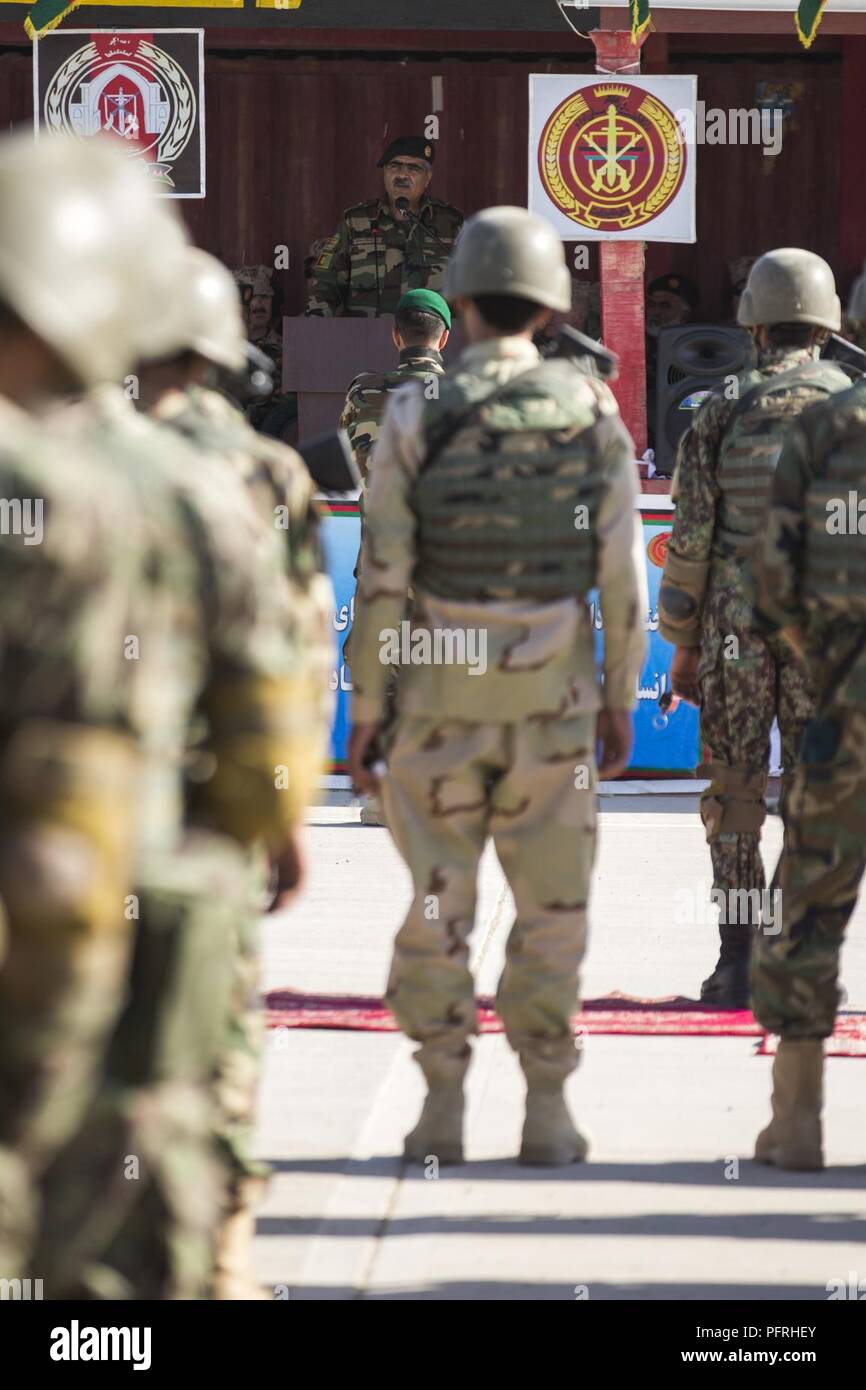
321 356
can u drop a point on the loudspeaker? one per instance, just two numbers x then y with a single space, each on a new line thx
693 359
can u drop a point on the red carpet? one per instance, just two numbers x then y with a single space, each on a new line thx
615 1013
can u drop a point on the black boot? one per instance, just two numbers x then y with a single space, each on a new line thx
728 986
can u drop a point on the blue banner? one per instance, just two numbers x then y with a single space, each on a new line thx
664 744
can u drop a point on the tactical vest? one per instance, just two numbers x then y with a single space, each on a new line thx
509 487
835 506
753 442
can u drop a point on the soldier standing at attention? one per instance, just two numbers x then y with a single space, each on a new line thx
388 245
421 328
811 589
500 504
740 679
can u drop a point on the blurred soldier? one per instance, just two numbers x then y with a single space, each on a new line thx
811 588
180 393
501 504
856 312
73 215
742 680
388 245
421 328
222 775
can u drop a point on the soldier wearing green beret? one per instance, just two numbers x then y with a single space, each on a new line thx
380 250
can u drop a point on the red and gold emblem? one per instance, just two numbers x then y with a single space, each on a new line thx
657 549
612 157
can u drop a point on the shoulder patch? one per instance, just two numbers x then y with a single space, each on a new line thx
326 255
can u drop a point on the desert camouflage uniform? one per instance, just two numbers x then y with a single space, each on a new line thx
509 753
746 680
361 274
213 743
812 578
282 491
68 770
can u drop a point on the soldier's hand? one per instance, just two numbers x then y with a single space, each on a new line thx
289 869
361 746
684 674
615 734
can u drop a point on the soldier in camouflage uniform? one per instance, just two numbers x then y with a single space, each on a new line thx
811 589
279 409
500 504
378 253
180 394
74 596
740 679
222 776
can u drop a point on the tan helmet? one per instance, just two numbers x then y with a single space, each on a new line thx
211 311
508 250
790 286
86 251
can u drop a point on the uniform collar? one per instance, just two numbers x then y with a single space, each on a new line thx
519 350
782 359
424 209
417 354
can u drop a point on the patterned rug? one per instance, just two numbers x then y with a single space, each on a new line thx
613 1014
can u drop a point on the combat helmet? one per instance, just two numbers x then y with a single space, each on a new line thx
790 286
507 250
213 324
86 251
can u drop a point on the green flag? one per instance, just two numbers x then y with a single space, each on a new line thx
640 18
47 14
808 18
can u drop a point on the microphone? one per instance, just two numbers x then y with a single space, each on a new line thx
402 206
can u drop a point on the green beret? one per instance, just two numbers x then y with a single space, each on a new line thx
415 145
428 301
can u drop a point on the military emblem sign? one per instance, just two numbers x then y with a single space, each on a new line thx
143 89
611 158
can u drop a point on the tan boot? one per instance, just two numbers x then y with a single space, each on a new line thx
233 1278
792 1139
439 1131
550 1137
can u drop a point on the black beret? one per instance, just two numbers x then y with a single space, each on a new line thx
676 284
414 145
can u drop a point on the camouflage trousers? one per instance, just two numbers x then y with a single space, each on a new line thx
746 682
131 1204
795 972
530 787
62 986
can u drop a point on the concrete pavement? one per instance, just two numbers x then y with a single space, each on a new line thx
669 1207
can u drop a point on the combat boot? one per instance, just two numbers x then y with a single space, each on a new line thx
793 1138
439 1131
728 986
233 1278
550 1137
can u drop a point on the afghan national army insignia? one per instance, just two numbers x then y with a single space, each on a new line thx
143 93
612 157
657 549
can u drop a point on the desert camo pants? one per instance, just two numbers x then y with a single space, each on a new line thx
132 1202
795 973
745 684
530 787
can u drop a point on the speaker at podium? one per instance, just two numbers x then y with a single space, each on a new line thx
321 356
693 359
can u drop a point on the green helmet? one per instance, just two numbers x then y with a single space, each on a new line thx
211 318
790 286
509 251
86 251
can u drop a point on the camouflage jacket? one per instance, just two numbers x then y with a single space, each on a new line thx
538 657
690 550
834 631
362 274
368 395
281 490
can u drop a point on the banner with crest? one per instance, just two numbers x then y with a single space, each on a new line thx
145 90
